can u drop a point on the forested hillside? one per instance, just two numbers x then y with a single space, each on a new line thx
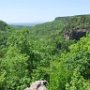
57 51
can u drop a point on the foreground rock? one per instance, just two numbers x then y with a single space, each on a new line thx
38 85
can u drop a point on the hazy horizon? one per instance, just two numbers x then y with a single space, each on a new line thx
32 11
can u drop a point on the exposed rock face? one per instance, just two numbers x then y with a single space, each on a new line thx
75 34
38 85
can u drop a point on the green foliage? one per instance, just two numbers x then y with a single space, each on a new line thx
42 52
77 82
79 22
72 69
13 64
3 26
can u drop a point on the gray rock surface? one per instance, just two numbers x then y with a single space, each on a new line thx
38 85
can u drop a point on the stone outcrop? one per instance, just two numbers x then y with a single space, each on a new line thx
38 85
75 34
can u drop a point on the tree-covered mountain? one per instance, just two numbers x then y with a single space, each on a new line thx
57 51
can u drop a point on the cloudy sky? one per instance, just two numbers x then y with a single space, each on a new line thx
29 11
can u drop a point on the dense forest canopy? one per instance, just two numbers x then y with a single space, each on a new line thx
57 51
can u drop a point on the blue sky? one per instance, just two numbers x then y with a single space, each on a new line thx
27 11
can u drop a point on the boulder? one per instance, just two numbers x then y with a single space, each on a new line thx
38 85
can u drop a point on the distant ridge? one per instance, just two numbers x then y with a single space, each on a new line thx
68 17
24 24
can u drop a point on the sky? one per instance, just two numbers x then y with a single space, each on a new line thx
32 11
